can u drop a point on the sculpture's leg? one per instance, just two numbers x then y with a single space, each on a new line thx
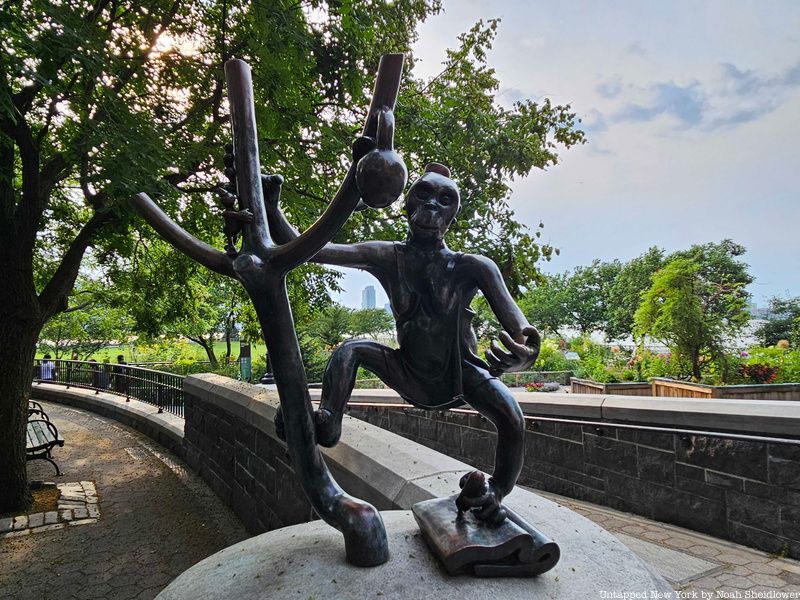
493 400
359 521
340 377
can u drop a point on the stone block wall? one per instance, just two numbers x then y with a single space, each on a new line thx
250 470
747 492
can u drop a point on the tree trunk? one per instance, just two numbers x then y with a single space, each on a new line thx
228 335
17 350
208 346
696 375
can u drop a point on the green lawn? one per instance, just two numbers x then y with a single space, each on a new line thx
110 352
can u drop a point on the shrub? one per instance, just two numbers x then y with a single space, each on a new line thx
785 360
759 372
551 358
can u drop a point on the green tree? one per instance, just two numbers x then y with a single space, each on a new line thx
332 325
625 293
371 322
101 100
782 322
696 302
545 305
85 328
586 295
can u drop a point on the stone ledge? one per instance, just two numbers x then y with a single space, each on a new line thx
165 428
758 417
369 462
773 417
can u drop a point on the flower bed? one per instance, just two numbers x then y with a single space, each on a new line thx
672 388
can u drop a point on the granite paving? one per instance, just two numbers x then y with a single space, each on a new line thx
154 518
697 565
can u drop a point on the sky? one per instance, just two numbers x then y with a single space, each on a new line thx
692 114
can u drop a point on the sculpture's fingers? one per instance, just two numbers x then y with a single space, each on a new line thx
504 357
517 349
496 366
532 337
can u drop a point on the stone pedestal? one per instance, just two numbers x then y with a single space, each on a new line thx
307 561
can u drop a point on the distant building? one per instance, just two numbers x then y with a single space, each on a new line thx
388 307
368 297
758 312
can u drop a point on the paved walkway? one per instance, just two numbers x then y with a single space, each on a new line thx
694 563
156 519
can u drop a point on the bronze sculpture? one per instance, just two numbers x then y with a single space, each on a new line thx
436 366
430 287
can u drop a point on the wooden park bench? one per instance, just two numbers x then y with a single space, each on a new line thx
34 408
42 437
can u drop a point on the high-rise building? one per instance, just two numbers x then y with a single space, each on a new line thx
368 297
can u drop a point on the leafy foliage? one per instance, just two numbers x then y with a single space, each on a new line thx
84 331
785 361
546 304
783 322
696 302
625 292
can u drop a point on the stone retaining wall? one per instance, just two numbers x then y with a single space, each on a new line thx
230 440
744 491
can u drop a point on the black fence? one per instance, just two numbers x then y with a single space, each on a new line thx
164 390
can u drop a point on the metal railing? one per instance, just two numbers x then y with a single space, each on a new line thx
164 390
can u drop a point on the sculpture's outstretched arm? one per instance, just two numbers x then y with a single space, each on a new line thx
366 256
520 337
168 229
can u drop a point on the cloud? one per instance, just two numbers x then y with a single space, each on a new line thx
512 94
734 97
610 88
686 103
740 82
593 122
635 49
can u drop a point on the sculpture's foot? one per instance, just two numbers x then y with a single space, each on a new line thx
328 427
482 497
365 540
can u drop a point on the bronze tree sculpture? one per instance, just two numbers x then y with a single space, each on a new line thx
261 266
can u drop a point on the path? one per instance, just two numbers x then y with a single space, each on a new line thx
156 519
694 562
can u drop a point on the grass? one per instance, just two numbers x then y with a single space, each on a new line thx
257 351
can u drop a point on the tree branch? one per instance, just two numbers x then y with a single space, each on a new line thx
53 298
206 255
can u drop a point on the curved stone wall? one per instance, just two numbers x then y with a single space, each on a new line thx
746 491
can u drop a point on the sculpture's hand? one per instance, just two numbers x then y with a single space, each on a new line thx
271 184
518 357
476 494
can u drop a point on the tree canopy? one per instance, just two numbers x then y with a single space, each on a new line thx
782 322
99 100
696 302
